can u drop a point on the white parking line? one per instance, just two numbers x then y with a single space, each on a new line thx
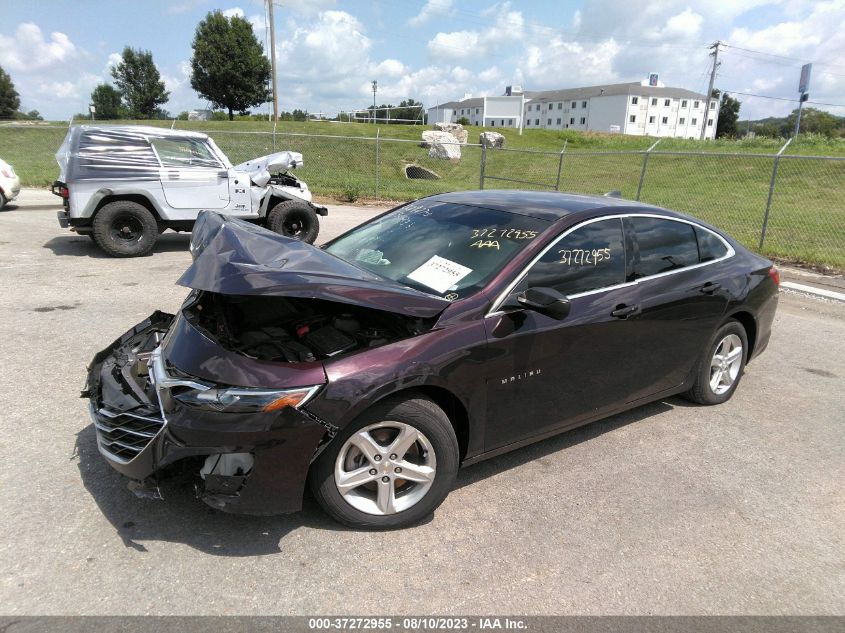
830 294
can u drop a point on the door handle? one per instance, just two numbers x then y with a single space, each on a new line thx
623 312
173 175
710 287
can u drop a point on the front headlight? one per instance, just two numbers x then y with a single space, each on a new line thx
242 400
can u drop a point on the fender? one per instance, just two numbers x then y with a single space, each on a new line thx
289 193
107 192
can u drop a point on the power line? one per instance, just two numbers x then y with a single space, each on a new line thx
787 57
751 94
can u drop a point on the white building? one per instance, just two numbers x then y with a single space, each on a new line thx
631 108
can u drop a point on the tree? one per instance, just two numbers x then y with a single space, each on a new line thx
106 100
228 66
814 120
140 83
9 99
728 116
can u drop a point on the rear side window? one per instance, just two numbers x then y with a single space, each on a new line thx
589 258
710 247
664 245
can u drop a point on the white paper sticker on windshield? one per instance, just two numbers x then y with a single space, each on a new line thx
439 274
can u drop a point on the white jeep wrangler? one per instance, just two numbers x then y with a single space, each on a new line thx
123 185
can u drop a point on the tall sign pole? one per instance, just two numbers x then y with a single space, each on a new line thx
715 48
273 59
803 87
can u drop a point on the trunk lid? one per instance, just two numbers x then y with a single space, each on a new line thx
234 257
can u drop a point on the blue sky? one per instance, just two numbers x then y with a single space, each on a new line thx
437 50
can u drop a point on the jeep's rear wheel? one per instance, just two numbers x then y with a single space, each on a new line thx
294 219
125 229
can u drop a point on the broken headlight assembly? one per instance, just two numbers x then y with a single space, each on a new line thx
242 400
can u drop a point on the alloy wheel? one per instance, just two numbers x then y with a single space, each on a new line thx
725 364
385 468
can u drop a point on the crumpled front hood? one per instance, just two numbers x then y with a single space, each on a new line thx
238 258
259 169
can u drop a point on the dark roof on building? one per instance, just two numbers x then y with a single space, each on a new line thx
631 88
473 102
544 205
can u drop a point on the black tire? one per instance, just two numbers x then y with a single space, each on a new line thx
426 418
3 201
702 390
125 229
294 219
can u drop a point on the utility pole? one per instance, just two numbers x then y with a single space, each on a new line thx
715 54
273 59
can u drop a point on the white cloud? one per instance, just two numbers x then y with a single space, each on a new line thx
432 9
28 51
508 27
233 12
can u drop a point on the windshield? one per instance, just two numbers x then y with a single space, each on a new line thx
441 248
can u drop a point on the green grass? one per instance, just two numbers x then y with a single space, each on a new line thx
806 222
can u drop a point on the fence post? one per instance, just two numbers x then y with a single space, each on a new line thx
483 165
645 164
560 165
274 136
771 193
377 161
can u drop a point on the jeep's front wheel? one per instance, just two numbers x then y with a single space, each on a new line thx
125 229
295 219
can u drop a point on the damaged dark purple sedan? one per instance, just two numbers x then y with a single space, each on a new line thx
443 332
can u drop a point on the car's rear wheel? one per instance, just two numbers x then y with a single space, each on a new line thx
721 366
294 219
125 229
390 468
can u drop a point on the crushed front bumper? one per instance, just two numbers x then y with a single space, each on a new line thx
141 429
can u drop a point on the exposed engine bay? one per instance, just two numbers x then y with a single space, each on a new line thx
294 330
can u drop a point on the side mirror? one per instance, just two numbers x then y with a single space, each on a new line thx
547 301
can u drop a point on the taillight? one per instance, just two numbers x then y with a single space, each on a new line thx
775 275
64 192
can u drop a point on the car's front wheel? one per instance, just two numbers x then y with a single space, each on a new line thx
125 229
295 219
722 365
390 468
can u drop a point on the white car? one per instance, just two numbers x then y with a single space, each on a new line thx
10 183
123 185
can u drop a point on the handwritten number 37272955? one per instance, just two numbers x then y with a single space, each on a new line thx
582 257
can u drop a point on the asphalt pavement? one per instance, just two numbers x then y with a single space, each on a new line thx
667 509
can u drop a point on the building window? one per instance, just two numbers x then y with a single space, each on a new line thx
574 104
710 122
632 118
712 105
664 120
654 102
682 121
694 121
560 105
651 119
583 120
477 110
583 104
536 121
558 122
572 121
695 105
684 103
634 100
548 122
667 102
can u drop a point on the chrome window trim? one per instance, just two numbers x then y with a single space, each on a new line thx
494 309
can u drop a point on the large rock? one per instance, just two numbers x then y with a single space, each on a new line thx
455 129
491 139
441 145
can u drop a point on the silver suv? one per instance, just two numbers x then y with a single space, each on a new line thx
123 185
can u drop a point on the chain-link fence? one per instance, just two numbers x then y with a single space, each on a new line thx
781 205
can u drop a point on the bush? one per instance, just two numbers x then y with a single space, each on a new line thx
352 190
